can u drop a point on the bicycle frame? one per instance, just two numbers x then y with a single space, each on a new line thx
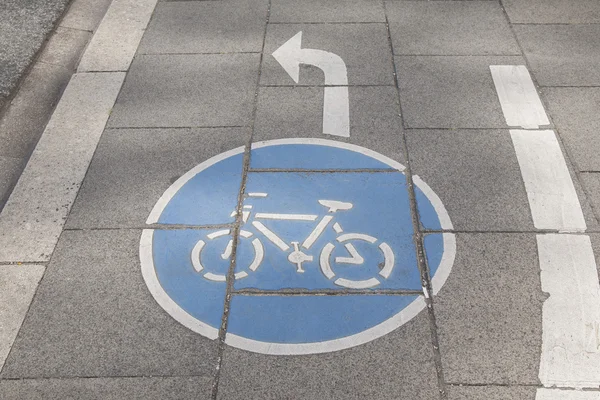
333 206
297 256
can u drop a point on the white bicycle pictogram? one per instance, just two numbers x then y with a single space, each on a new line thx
297 251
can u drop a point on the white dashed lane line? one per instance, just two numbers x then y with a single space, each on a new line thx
571 315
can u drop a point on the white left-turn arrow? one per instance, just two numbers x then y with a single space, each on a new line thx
336 107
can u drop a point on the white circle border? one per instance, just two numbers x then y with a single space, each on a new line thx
377 331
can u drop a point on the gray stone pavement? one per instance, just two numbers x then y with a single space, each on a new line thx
204 82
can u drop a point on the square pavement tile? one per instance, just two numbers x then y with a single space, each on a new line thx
591 185
457 392
562 55
156 388
132 168
552 11
94 316
489 311
206 27
476 175
450 28
327 11
364 48
575 114
297 112
397 365
450 92
187 90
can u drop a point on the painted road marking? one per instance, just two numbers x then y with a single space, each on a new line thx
571 314
270 235
552 198
336 106
286 217
553 394
357 240
519 99
314 235
571 348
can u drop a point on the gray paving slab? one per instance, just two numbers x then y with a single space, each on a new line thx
450 28
575 114
18 284
133 167
200 27
591 185
188 90
23 29
450 92
586 201
9 171
292 112
552 11
595 239
562 55
476 175
23 122
398 365
363 47
93 316
489 312
85 15
65 47
490 392
327 11
156 388
118 36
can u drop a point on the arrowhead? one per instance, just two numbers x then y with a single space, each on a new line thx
288 56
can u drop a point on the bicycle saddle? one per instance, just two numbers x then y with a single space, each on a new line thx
335 205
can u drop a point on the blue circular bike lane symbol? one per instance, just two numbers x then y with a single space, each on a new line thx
325 258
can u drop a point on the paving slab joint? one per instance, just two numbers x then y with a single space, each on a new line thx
418 236
325 292
230 280
324 171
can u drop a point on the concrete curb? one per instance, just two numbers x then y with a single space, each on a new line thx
23 118
30 226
